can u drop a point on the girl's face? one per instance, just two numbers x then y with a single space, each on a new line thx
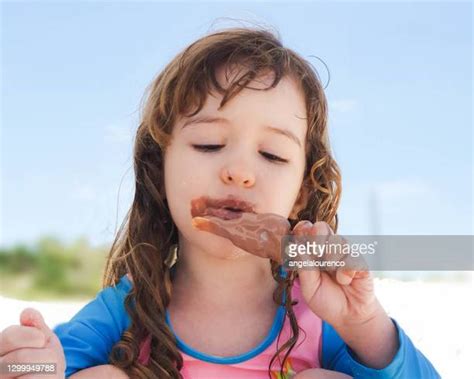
252 148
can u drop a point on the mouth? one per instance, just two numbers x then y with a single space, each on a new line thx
228 208
224 213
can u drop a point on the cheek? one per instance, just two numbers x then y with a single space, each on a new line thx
278 189
184 179
282 175
182 171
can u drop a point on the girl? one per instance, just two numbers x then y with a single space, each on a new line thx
238 122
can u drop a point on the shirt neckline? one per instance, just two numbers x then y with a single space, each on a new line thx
273 333
267 341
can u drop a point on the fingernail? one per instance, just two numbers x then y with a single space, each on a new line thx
349 273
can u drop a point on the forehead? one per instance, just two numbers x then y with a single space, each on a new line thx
283 105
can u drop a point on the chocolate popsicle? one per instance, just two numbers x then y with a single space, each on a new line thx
259 234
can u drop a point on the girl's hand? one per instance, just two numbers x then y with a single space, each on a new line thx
343 298
28 343
346 299
340 297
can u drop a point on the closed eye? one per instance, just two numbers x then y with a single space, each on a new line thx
273 158
215 148
208 147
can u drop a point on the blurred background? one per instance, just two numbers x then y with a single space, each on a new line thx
398 79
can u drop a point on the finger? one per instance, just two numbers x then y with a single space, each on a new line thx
310 280
32 317
17 337
321 233
352 264
324 236
300 232
344 277
322 228
304 233
355 268
303 228
307 228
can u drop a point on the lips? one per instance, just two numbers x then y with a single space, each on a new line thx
226 208
225 214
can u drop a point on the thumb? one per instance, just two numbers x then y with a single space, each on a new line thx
344 276
310 282
32 317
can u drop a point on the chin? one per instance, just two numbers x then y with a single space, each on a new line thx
219 247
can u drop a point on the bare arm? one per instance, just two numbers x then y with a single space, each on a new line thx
319 373
100 372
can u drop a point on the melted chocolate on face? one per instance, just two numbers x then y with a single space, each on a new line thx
258 234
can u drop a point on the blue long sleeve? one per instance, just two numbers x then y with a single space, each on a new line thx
408 363
88 338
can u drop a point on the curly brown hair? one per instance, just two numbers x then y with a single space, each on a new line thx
148 231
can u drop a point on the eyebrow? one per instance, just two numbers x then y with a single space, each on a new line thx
213 119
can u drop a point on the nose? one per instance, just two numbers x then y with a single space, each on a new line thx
239 175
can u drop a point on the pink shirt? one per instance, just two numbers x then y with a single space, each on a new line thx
254 365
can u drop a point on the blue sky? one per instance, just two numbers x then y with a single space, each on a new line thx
400 96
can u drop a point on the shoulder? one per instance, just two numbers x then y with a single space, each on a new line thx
88 337
107 306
